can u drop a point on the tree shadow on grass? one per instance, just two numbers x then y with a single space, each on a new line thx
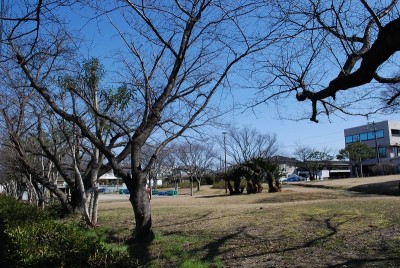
188 221
213 196
382 188
382 258
214 248
139 250
3 262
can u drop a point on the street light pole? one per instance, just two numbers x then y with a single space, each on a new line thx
226 186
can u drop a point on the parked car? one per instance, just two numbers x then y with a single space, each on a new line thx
294 178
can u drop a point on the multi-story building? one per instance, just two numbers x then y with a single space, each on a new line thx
383 136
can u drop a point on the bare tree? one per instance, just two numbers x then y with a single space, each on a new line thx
246 144
177 55
339 56
312 159
198 158
24 158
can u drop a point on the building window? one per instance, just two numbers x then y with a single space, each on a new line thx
395 132
366 136
382 152
395 151
371 135
363 136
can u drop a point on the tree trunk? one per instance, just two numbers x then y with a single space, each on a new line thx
198 184
250 188
361 169
141 207
272 183
78 201
95 202
191 185
236 185
229 186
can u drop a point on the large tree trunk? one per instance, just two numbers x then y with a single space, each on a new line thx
78 201
139 197
140 201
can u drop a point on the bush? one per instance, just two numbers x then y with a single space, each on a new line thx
384 168
13 212
55 244
30 238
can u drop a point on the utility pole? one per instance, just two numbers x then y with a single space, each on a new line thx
226 186
376 143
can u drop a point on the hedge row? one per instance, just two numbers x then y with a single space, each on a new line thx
29 237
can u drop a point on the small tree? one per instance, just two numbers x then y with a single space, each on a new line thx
236 175
261 169
246 144
254 171
356 153
197 158
312 159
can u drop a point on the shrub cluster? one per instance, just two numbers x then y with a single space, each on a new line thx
30 238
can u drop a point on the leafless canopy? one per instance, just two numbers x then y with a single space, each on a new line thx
172 58
338 55
246 143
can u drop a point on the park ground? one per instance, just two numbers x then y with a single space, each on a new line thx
332 223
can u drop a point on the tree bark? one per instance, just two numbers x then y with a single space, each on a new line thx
141 207
139 197
95 202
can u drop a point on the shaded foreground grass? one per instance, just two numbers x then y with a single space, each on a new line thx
298 227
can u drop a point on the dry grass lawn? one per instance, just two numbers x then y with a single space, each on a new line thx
335 226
